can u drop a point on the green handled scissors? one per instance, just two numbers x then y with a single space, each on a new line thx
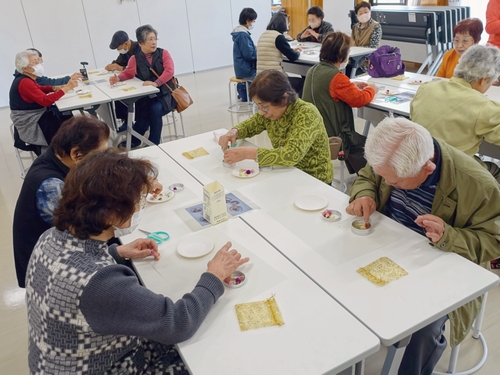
157 236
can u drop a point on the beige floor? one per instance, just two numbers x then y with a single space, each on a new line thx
210 94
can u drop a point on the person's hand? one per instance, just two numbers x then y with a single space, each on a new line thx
228 138
234 155
57 88
373 86
364 206
114 79
433 226
305 34
225 262
76 76
156 189
114 66
360 85
140 248
297 49
72 83
150 83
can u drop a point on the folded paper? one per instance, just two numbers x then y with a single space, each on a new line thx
260 314
382 271
195 153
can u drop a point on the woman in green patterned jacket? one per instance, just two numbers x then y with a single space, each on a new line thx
294 127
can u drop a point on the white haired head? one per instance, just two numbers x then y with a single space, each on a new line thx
479 62
399 144
23 59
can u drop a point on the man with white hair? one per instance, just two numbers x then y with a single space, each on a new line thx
457 111
439 192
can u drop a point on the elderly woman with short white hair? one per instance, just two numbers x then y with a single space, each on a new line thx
440 193
30 104
457 111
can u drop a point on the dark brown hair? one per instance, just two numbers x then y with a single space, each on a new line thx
317 11
471 26
363 4
86 133
335 47
103 189
273 86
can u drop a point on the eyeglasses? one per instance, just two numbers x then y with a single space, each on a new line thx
263 109
153 39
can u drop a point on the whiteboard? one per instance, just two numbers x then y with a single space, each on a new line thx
104 18
263 9
170 19
15 38
59 30
210 27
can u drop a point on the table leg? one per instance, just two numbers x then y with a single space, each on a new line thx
366 129
394 357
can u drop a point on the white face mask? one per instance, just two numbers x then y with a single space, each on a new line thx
38 70
134 223
343 65
315 25
250 27
122 51
363 18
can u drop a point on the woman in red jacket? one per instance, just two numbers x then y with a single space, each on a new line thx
493 22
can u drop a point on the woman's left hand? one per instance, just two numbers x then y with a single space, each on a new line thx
150 83
234 155
140 248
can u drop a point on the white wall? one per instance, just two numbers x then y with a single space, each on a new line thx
337 13
195 32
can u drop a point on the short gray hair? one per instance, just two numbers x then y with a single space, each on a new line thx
142 32
399 144
479 62
23 59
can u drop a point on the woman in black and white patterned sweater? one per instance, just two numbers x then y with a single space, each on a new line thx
87 312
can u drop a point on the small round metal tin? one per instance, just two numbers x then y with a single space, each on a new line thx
361 228
176 187
331 215
236 280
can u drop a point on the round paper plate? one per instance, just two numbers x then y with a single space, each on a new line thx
243 172
311 203
389 92
415 82
194 247
160 198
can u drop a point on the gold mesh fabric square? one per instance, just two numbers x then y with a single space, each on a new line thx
382 271
401 77
129 88
195 153
260 314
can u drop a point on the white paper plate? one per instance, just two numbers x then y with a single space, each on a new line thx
415 82
240 173
164 196
82 92
311 203
194 247
389 92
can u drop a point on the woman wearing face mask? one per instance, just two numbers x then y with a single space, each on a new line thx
244 51
334 94
367 32
82 300
31 106
42 185
317 29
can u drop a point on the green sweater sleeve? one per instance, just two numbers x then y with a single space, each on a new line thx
252 126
